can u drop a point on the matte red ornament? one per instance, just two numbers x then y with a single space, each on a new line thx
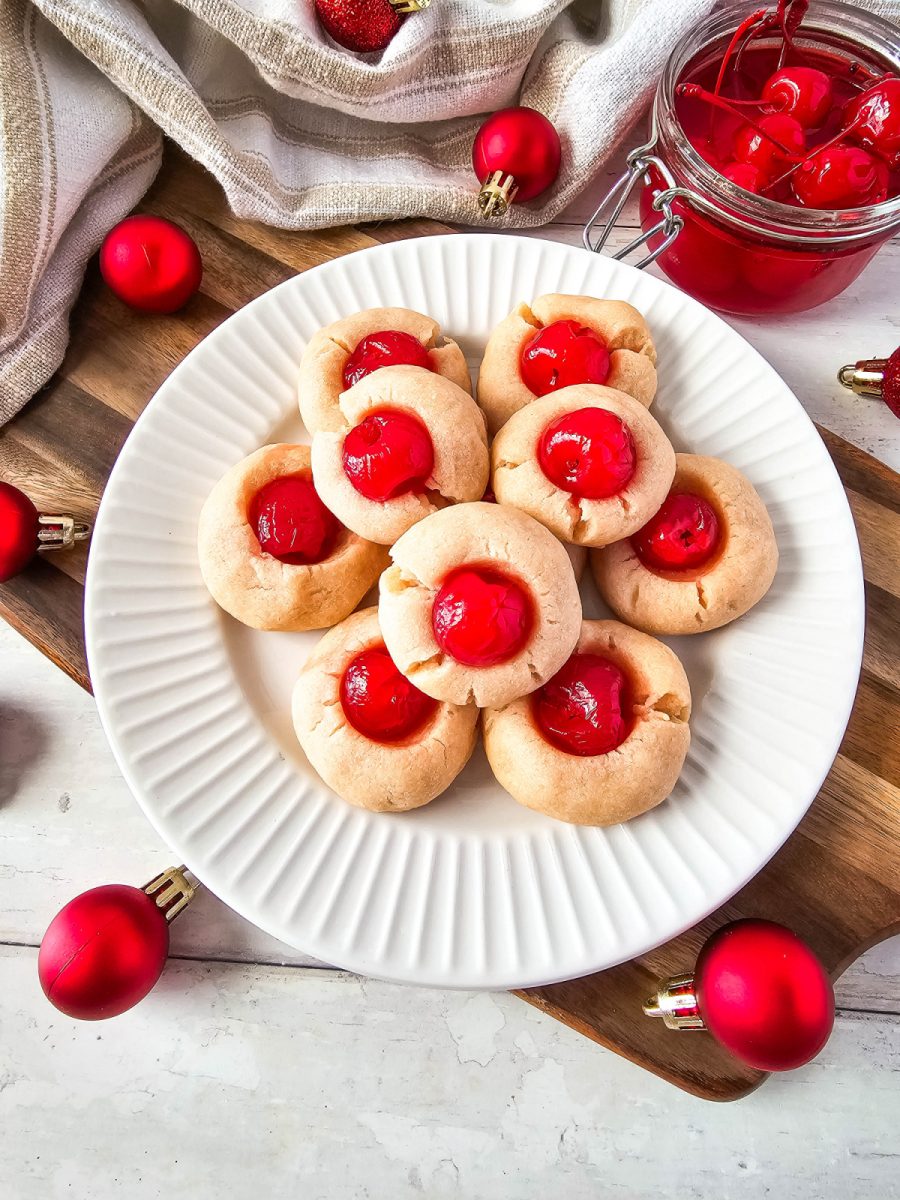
24 531
516 156
105 950
759 990
150 263
875 377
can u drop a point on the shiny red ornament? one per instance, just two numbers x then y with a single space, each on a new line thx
24 531
364 26
759 990
516 156
104 950
150 263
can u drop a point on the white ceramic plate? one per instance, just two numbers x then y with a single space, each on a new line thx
472 890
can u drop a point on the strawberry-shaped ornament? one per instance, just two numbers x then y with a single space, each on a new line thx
759 990
24 531
875 377
516 155
105 950
365 26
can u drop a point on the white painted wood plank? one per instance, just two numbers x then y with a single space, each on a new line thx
248 1082
69 823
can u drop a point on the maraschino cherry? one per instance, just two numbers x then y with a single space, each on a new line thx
771 145
585 709
873 119
841 177
150 263
745 175
389 454
589 453
379 702
387 348
291 522
561 354
684 534
481 616
24 531
804 93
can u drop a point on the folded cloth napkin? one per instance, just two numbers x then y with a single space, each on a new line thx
299 132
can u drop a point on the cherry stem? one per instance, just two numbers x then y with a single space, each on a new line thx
805 164
742 30
768 22
696 92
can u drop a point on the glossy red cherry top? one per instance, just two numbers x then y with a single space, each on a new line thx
387 348
290 521
481 616
841 177
744 175
774 153
589 453
804 93
151 263
388 454
585 709
379 702
683 536
562 354
875 119
18 531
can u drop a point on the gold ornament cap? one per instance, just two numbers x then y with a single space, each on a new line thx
172 891
408 6
676 1002
866 377
497 193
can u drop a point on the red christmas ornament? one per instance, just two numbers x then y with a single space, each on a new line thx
151 264
104 950
759 990
516 155
875 377
365 26
24 531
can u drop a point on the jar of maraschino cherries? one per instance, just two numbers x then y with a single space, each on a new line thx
772 175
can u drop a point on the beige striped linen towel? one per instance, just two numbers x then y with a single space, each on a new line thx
299 132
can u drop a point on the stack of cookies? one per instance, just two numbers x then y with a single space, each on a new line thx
475 517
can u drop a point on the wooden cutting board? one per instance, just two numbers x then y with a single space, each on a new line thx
836 882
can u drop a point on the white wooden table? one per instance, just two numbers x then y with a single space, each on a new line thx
252 1072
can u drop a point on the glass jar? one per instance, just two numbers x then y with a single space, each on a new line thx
732 249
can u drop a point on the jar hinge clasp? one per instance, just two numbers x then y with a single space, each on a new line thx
670 225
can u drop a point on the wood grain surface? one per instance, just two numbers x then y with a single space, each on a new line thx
835 882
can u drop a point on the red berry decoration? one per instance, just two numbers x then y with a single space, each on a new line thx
365 26
151 264
589 453
759 990
290 521
804 93
874 119
682 536
388 348
24 531
516 156
770 146
104 950
481 617
585 709
875 377
561 354
379 702
841 177
388 454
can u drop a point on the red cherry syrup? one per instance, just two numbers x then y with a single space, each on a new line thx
481 616
585 709
291 523
379 702
388 454
589 452
562 354
683 536
387 348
